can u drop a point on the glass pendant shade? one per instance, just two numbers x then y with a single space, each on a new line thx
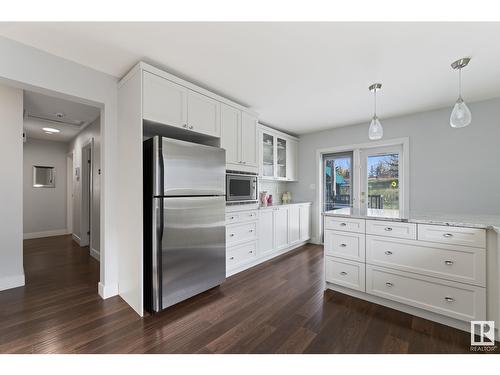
460 116
375 131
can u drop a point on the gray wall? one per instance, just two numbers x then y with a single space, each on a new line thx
11 182
75 146
451 170
44 209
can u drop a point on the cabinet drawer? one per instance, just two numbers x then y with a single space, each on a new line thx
459 301
345 245
392 229
241 216
238 255
458 263
345 273
452 235
241 232
345 224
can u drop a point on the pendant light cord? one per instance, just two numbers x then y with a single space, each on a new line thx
460 83
375 103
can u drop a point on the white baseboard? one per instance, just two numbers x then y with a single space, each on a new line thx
107 291
75 238
95 254
48 233
10 282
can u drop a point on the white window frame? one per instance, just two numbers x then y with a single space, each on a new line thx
356 149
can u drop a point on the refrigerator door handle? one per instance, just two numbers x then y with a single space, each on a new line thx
158 226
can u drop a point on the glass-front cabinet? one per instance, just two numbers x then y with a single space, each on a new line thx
277 161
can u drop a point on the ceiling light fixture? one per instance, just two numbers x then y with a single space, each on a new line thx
460 116
375 131
50 130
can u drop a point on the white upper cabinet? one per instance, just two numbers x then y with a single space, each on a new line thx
230 134
164 101
203 114
278 155
292 160
239 138
249 139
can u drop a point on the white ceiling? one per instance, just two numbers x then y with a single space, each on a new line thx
300 77
39 105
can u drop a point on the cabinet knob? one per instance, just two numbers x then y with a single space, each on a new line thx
388 252
390 285
185 125
387 229
231 218
231 258
449 299
343 224
448 262
251 230
190 126
231 235
448 235
343 273
343 245
251 251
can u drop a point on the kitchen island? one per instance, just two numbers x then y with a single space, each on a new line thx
437 266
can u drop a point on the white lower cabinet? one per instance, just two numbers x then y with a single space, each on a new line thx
441 270
456 300
255 235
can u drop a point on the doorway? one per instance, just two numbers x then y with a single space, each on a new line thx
87 194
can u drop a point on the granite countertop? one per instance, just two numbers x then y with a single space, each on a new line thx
457 220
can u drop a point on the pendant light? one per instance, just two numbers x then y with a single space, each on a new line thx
375 131
460 116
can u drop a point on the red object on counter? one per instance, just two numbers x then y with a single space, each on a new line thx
270 200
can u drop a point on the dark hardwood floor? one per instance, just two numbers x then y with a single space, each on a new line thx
276 307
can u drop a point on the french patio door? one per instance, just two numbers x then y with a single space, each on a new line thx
381 179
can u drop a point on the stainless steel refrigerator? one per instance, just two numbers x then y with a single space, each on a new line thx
184 220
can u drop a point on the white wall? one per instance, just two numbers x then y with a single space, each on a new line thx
75 146
26 67
11 182
451 170
44 209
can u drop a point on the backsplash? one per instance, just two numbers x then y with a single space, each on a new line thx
274 188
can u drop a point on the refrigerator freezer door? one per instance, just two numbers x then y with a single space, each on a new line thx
193 247
189 169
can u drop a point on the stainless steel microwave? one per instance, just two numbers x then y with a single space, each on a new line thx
241 187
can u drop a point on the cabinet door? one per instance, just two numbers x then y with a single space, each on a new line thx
281 157
305 222
292 159
268 142
293 224
230 133
280 228
248 139
203 114
266 232
164 101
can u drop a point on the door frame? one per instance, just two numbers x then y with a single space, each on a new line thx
356 149
86 194
69 192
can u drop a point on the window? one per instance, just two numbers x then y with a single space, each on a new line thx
338 179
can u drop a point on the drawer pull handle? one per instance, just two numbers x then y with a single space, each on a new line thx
388 252
343 245
251 230
343 273
448 235
343 224
231 258
390 285
448 262
387 229
231 235
449 299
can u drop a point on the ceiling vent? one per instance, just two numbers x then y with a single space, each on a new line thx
58 118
